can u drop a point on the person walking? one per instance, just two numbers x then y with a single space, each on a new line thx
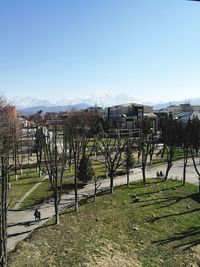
37 215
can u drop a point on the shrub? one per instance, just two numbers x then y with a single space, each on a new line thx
85 170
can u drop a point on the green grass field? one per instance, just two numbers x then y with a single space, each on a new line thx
43 192
23 184
153 225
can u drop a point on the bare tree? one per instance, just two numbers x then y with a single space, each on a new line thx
145 145
112 149
129 161
78 130
195 142
28 144
3 209
186 140
6 145
173 141
76 151
20 153
14 135
39 147
55 161
79 143
97 184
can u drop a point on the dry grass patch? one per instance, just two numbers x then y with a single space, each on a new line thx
110 254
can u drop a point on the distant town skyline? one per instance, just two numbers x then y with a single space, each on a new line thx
55 50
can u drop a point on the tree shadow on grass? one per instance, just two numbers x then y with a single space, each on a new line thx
159 191
167 201
142 185
173 214
170 200
195 197
188 238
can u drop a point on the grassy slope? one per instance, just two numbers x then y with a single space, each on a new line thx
24 183
159 230
43 192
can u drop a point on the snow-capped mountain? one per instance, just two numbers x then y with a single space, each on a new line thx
100 98
27 102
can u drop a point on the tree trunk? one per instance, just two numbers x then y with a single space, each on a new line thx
111 182
169 161
194 163
169 165
127 173
9 183
28 151
138 158
95 190
184 172
76 187
152 148
56 211
144 173
199 185
39 168
3 214
163 151
16 178
185 165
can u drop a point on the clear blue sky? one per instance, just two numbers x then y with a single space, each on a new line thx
54 49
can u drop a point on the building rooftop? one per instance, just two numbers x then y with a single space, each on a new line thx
127 104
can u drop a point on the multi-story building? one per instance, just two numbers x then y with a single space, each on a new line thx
182 112
129 116
176 110
124 116
173 109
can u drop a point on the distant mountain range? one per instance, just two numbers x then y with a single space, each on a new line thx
33 110
29 105
191 101
102 99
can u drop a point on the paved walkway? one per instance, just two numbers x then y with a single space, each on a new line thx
21 222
